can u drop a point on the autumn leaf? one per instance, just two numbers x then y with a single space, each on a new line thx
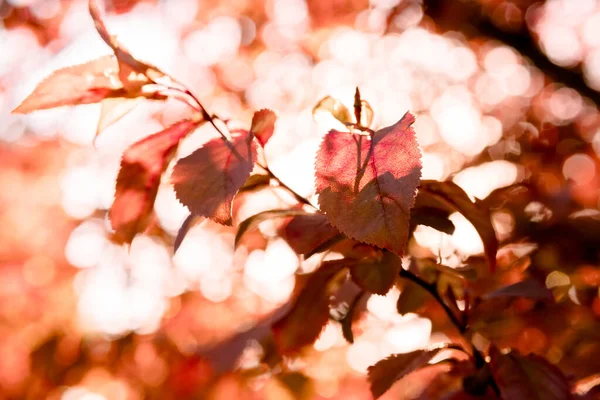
348 319
263 125
207 180
450 197
334 107
527 377
255 182
302 325
390 370
130 69
367 185
432 217
412 297
113 109
377 275
253 221
306 233
85 83
139 177
187 224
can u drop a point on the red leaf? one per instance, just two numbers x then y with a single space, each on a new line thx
305 233
367 185
450 197
263 125
390 370
139 177
527 377
207 180
302 325
377 275
130 69
78 84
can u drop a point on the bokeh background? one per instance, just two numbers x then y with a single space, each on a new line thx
503 91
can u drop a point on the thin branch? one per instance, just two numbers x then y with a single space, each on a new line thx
461 326
299 198
432 290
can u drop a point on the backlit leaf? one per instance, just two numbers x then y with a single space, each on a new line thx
528 377
367 185
390 370
113 109
306 233
139 177
334 107
85 83
131 70
253 221
255 182
207 180
450 197
377 275
302 325
263 125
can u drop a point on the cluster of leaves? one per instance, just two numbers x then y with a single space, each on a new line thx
370 199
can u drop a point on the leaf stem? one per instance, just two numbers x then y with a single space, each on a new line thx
299 198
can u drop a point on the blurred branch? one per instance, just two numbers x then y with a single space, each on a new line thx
469 18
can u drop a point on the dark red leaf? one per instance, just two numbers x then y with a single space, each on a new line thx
411 298
527 288
390 370
348 319
207 180
253 221
527 377
450 197
85 83
305 233
263 125
139 177
377 275
187 224
367 185
432 217
302 325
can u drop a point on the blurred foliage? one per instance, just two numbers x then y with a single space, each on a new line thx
505 94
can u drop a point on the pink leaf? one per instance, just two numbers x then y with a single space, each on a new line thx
527 377
139 177
367 185
85 83
263 125
207 180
